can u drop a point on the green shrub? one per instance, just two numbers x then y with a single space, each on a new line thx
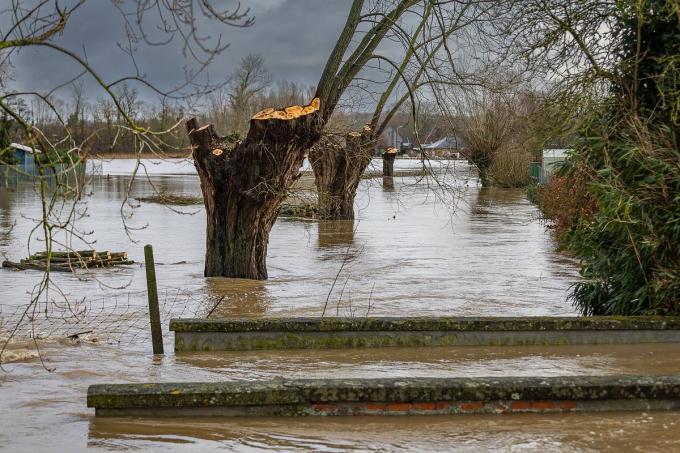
630 246
7 155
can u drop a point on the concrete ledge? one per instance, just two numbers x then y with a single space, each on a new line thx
399 396
297 333
400 324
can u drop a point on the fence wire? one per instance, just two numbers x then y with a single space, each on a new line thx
114 319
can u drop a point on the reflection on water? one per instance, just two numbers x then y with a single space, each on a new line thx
237 298
469 433
442 362
407 253
334 233
6 213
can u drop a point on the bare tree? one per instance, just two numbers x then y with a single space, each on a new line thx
248 81
76 120
563 57
570 43
427 61
59 179
245 181
506 127
488 125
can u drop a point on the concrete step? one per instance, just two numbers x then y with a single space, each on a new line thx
395 396
325 333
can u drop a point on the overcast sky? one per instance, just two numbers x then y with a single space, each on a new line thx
294 37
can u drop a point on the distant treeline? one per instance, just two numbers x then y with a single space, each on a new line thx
97 126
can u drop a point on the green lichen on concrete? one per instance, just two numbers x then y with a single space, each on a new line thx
414 324
245 341
313 391
328 333
323 340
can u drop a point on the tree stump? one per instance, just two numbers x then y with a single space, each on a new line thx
388 184
244 183
388 161
337 172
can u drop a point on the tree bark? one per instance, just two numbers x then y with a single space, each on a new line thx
337 173
388 184
483 164
244 183
388 162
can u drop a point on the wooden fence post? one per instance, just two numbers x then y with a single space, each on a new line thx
154 312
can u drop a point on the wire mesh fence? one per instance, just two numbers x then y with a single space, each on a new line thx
114 319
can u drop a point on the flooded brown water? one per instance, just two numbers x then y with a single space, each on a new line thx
408 254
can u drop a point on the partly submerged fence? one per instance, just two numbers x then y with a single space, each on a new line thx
115 319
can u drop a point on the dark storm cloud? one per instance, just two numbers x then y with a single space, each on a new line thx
294 37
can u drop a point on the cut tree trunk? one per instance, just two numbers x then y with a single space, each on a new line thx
482 160
337 173
388 161
388 184
244 183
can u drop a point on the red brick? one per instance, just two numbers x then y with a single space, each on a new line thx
471 406
442 405
423 406
398 407
542 405
520 405
567 405
375 407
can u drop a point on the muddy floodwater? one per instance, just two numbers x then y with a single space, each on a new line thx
422 246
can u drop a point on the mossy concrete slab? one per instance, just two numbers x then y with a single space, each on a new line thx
396 396
303 333
438 323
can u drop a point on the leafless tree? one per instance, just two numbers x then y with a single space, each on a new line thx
430 56
248 81
505 126
569 44
59 179
245 181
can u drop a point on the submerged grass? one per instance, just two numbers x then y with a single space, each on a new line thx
175 200
294 208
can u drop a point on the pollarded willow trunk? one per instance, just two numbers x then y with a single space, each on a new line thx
388 161
337 173
481 158
388 184
244 183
